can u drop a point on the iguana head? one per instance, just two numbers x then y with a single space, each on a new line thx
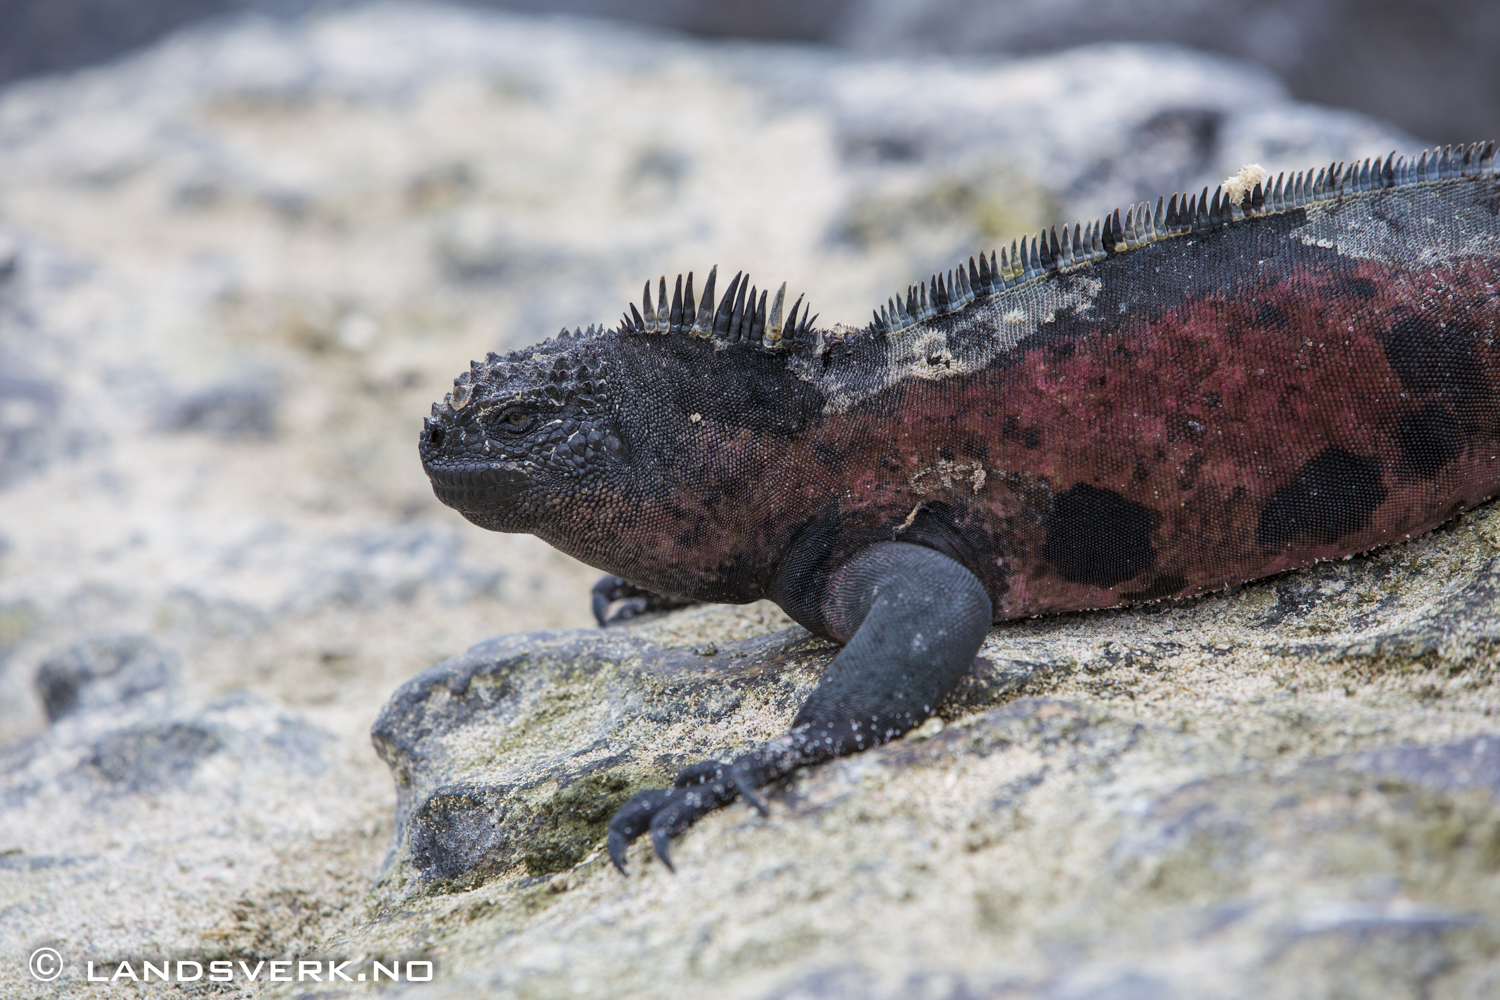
523 433
538 433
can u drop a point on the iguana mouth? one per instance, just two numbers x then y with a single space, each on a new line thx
477 485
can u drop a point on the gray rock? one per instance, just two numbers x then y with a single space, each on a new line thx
24 407
1420 65
1415 64
1471 763
39 36
104 673
188 822
226 411
455 825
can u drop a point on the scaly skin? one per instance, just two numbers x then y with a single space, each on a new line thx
1231 389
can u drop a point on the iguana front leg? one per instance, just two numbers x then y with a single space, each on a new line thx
914 620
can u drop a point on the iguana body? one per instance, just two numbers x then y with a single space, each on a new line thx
1206 393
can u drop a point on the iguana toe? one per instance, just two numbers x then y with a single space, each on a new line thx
668 812
631 820
632 601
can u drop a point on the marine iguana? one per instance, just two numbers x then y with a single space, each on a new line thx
1201 393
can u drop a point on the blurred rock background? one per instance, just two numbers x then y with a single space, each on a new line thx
240 257
1428 66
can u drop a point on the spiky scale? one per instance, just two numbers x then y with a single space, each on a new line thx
757 320
703 326
773 325
791 319
674 319
689 307
737 316
726 306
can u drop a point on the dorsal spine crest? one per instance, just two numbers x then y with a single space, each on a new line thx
741 315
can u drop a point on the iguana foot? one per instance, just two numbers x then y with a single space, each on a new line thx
634 601
697 791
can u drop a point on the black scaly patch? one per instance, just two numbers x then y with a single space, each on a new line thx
1098 537
1432 360
1430 438
1331 496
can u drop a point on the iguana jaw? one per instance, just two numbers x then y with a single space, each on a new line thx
487 493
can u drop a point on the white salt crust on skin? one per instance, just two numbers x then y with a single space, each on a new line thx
1238 185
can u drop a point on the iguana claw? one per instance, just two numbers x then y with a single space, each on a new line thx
668 812
631 820
634 601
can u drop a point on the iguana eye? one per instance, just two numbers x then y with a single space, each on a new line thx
515 419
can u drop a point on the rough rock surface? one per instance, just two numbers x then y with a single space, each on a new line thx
135 805
233 272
